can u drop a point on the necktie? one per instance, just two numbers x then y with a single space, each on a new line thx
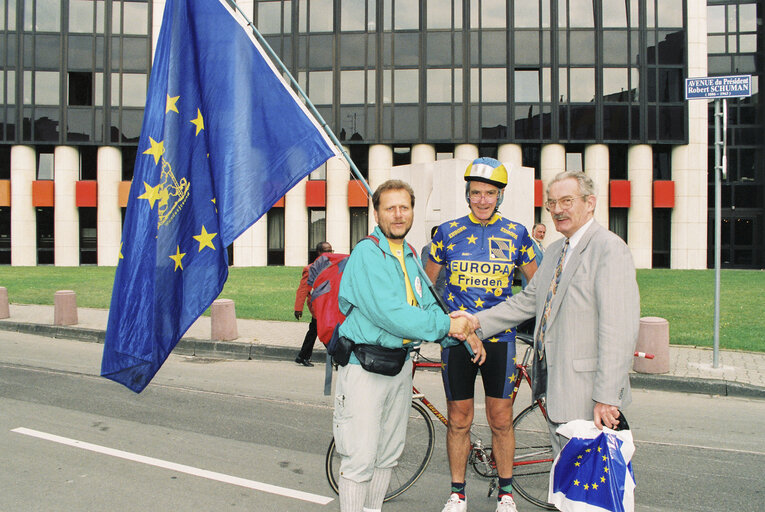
548 301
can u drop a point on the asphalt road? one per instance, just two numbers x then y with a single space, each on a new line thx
252 435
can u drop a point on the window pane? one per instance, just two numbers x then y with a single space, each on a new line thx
352 15
406 86
134 54
48 15
406 15
615 47
133 90
526 85
493 48
493 14
582 84
80 52
136 18
716 44
320 87
715 19
747 43
131 125
439 85
615 84
81 16
494 85
614 13
46 124
352 87
79 124
527 47
46 88
580 13
353 50
45 166
270 17
47 51
747 18
439 51
582 47
670 13
439 122
440 13
527 14
321 16
407 49
320 51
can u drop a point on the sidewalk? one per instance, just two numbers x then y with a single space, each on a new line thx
739 373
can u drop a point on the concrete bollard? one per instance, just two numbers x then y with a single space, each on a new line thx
653 338
5 311
223 320
65 308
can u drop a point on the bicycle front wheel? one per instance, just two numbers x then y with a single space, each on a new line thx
533 456
418 449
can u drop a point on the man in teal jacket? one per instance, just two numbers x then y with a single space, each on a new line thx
384 293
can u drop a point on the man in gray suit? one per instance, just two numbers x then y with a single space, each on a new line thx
586 333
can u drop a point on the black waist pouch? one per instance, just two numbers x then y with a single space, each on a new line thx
340 348
382 360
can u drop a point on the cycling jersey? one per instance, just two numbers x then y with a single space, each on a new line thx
480 262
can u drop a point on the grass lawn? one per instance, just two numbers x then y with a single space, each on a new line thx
684 297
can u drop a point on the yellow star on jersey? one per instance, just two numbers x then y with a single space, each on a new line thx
471 239
463 287
586 487
605 469
198 122
450 247
205 239
577 464
156 150
489 290
524 249
511 378
440 244
151 194
576 482
602 479
511 226
463 308
493 339
177 257
594 487
478 303
450 297
435 257
170 104
453 224
605 458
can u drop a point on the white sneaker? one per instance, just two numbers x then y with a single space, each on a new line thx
506 504
455 504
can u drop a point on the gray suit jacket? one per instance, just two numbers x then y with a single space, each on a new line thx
592 328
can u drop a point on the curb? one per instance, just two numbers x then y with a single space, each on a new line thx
249 350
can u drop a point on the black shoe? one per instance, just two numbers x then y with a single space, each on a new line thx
304 362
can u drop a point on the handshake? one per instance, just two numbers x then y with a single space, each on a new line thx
462 326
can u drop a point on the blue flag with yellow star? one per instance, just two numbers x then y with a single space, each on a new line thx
223 139
593 472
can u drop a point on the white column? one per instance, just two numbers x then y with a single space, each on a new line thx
66 219
296 226
465 152
380 164
596 167
640 212
552 161
511 154
338 213
109 214
423 153
23 219
689 162
251 248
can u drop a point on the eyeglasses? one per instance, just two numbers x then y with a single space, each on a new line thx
477 195
564 202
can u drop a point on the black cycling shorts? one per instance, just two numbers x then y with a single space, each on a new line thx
497 372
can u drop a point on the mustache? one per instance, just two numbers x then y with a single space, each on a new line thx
560 216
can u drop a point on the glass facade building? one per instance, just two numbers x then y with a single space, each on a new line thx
575 74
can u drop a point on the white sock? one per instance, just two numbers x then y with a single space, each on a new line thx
378 486
352 495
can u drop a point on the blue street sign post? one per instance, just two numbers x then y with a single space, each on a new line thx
718 88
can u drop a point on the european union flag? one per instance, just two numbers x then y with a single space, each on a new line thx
593 472
223 138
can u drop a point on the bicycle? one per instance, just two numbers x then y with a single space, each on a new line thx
533 451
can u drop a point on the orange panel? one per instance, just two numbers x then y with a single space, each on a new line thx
538 194
620 193
663 194
279 203
124 193
86 193
42 193
316 194
357 194
5 192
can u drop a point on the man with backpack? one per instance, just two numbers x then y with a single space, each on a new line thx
304 294
388 309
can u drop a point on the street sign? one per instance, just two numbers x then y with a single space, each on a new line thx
710 87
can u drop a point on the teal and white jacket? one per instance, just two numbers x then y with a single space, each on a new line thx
373 283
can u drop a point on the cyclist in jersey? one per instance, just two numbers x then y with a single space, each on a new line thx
480 253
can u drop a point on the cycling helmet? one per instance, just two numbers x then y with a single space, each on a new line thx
487 170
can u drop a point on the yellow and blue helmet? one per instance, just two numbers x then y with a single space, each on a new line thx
487 170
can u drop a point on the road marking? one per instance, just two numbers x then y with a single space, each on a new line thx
181 468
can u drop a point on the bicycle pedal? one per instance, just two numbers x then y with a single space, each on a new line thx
492 487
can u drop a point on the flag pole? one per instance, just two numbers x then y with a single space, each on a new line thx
276 60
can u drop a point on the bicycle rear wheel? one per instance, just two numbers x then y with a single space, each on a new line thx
418 449
533 456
